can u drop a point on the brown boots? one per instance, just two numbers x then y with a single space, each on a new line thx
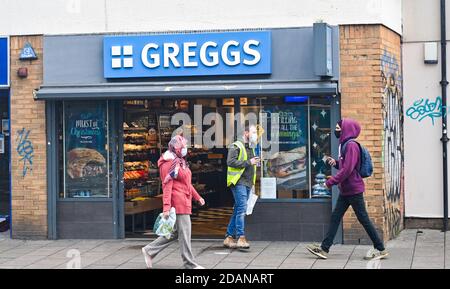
229 242
242 243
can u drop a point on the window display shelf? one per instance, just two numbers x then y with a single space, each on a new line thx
137 207
134 129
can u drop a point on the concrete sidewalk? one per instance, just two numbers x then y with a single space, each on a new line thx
411 249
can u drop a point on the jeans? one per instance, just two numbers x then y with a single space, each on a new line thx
358 205
237 222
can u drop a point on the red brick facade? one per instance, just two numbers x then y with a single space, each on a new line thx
370 63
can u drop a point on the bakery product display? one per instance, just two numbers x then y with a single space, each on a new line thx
135 138
136 164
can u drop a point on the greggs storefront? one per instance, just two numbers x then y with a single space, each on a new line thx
114 101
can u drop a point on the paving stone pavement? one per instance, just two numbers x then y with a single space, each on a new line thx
411 249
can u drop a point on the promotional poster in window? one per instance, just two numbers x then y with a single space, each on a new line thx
290 165
86 150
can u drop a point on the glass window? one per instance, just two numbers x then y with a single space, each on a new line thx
320 140
294 146
286 156
85 150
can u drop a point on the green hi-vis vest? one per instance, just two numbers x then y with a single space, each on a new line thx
234 174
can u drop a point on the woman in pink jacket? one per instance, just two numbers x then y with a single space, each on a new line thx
178 192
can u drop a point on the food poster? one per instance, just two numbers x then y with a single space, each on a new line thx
289 165
86 150
320 133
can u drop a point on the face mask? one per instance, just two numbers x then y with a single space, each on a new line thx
337 133
254 138
184 152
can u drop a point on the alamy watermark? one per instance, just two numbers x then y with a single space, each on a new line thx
75 259
214 136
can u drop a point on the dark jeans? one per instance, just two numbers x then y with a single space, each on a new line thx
358 205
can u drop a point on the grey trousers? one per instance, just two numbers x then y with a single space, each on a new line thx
183 235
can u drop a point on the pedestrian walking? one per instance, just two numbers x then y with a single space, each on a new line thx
241 178
351 186
178 192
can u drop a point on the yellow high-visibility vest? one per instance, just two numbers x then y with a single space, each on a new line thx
234 174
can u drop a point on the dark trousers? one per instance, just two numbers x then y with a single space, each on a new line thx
359 206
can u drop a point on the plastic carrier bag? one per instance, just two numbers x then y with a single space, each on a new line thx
251 201
165 227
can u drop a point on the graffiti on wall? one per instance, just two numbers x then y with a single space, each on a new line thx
393 140
425 109
394 220
25 150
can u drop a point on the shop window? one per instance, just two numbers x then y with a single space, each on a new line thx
320 144
84 150
293 160
290 164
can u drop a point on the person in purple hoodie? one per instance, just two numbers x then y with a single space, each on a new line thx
351 186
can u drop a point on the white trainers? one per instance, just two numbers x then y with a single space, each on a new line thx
147 258
374 254
318 251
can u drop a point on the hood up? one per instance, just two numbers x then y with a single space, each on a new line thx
350 128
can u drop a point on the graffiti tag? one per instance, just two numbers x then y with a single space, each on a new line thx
25 150
425 108
394 217
393 140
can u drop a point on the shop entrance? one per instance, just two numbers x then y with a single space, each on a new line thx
147 129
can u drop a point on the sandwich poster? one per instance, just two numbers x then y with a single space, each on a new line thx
85 141
289 164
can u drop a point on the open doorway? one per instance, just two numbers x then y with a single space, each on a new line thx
147 130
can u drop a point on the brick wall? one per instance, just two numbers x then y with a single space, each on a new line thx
372 94
29 187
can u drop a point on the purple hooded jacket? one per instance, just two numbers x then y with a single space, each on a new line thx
349 181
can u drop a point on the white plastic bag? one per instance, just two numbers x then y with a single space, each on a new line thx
166 226
251 201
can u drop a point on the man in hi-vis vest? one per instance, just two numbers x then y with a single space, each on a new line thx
241 177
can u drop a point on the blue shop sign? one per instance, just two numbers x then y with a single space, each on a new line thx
4 62
203 54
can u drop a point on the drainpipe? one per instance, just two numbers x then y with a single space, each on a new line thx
444 84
